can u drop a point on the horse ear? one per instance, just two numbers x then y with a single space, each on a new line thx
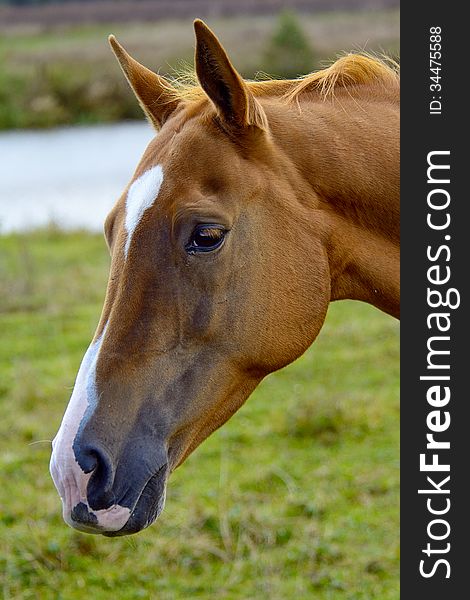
222 83
153 92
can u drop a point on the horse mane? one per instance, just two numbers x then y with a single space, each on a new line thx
350 70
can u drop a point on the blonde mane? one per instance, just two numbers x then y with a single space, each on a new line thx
347 71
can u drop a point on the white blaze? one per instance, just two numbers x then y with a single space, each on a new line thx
71 482
141 195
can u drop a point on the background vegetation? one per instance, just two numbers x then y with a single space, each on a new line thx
296 497
61 73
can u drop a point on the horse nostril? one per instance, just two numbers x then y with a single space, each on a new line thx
96 461
88 458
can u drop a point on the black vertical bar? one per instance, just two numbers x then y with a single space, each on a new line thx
424 131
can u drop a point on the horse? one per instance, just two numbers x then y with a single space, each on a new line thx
256 205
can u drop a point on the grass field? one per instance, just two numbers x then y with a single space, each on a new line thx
295 497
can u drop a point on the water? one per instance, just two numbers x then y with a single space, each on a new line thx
69 176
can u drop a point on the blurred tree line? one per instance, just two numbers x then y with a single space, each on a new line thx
55 92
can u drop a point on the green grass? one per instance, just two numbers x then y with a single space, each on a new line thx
295 497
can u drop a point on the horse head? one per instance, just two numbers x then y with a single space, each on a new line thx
219 275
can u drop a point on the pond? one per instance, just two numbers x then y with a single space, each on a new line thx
69 176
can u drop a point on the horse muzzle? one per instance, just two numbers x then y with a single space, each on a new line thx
102 499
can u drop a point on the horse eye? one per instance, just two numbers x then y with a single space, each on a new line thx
206 238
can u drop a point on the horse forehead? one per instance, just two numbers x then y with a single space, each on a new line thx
158 166
187 147
182 160
143 190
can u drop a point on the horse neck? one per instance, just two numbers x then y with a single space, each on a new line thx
347 152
